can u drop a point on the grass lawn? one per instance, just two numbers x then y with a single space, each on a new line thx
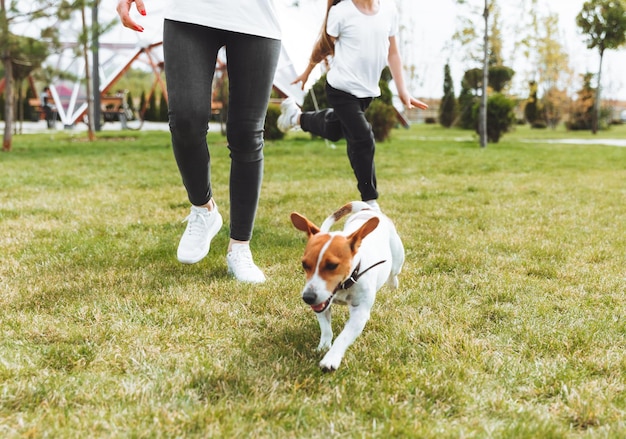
510 319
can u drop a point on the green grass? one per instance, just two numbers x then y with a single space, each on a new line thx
510 319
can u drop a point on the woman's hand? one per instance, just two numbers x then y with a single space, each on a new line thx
410 102
123 10
303 78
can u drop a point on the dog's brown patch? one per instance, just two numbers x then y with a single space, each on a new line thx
312 251
342 211
335 263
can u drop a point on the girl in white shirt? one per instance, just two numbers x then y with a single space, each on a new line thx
193 33
360 38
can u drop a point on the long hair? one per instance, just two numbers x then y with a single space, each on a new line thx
324 46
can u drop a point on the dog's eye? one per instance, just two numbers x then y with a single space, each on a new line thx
331 266
305 266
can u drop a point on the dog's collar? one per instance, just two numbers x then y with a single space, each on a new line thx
355 275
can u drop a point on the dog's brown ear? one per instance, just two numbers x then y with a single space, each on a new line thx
301 223
357 236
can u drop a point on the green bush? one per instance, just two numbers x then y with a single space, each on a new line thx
500 116
448 108
382 116
319 88
152 111
385 92
582 120
271 129
466 103
500 77
532 109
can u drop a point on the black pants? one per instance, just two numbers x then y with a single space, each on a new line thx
190 53
346 119
50 115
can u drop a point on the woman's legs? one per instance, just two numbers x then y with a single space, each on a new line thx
251 66
346 118
190 56
350 112
190 52
323 123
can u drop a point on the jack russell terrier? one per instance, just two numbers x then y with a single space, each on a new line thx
348 267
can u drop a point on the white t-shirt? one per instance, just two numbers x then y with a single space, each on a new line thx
253 17
362 46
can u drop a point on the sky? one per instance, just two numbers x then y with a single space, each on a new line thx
437 22
428 29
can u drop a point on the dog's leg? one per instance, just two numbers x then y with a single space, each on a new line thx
359 315
397 253
326 338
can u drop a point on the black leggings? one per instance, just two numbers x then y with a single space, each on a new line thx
346 119
190 53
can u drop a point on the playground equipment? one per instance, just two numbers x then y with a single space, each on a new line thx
71 101
69 95
117 54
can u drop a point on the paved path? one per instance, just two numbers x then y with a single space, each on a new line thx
41 127
608 142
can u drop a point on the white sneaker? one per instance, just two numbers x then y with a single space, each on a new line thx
241 266
374 205
289 112
202 226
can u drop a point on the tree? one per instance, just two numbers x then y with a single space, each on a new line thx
604 24
500 114
540 41
581 117
447 110
8 75
495 38
499 77
163 109
532 109
27 55
142 105
483 101
152 111
11 13
552 66
466 101
84 43
87 41
485 70
472 86
548 71
474 80
554 102
469 36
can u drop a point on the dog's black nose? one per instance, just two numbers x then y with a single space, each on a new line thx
309 297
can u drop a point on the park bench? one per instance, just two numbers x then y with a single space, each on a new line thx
111 107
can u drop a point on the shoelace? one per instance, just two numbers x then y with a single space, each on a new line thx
243 259
197 223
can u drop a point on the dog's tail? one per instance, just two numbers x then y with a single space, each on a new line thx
352 207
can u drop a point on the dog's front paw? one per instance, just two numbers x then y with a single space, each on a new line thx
392 282
330 362
324 345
